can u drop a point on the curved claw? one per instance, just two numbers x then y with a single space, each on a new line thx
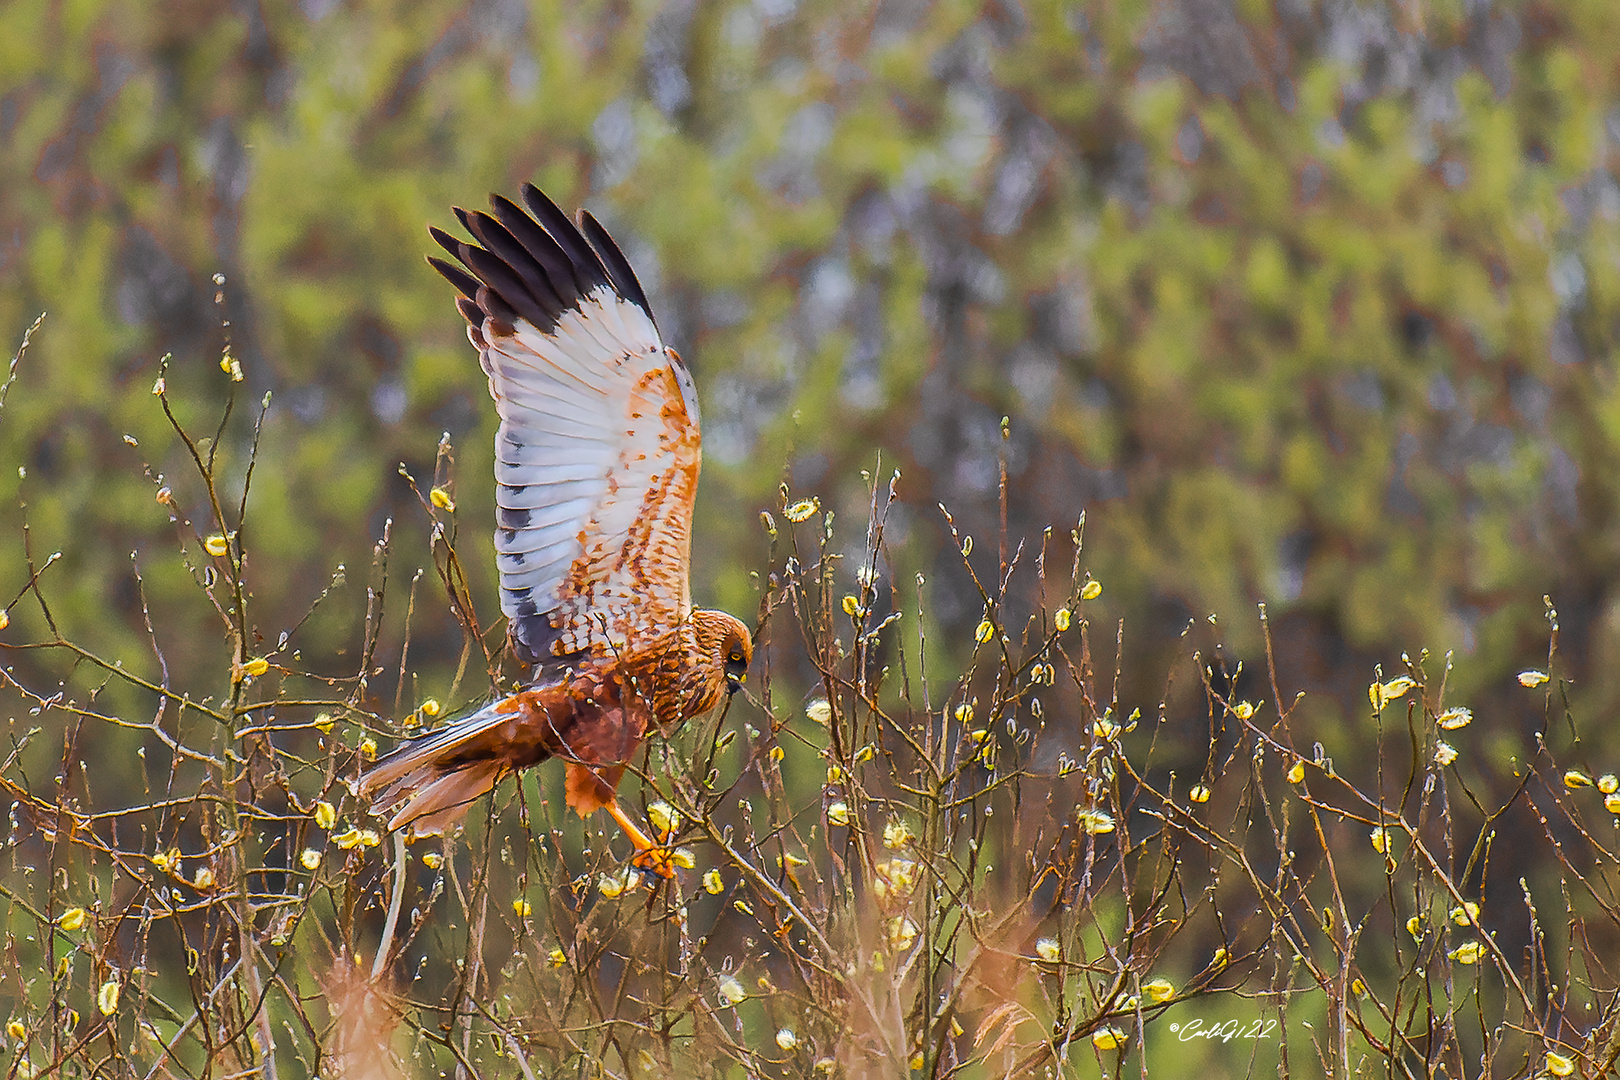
659 861
650 858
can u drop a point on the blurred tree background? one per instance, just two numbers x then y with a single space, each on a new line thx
1305 303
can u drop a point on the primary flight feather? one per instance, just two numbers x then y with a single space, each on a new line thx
596 467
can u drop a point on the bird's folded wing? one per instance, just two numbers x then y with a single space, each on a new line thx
597 455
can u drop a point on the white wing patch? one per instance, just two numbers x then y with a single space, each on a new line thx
575 468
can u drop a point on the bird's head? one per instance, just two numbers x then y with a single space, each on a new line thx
725 642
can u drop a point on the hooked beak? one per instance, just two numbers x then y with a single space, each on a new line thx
734 683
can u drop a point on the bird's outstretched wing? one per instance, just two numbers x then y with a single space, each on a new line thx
597 455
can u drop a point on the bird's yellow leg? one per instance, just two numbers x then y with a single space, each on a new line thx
648 856
637 837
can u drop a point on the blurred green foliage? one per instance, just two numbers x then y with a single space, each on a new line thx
1309 304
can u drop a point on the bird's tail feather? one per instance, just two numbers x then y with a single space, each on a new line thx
436 792
442 800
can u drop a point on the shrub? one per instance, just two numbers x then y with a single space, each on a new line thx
997 870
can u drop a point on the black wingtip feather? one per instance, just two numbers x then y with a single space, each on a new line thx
535 268
445 240
554 221
618 267
508 282
588 268
464 282
537 277
560 268
496 307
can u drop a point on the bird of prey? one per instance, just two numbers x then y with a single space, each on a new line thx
596 465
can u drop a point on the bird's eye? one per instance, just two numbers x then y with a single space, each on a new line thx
735 658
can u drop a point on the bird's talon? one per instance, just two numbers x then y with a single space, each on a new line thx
653 878
659 861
